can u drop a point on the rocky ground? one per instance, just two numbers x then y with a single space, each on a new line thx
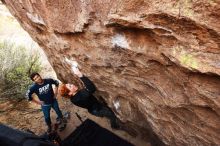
28 116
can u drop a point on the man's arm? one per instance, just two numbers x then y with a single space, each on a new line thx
29 94
29 97
38 101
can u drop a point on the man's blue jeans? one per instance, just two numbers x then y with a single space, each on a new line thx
46 110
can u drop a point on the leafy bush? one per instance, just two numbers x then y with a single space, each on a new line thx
16 63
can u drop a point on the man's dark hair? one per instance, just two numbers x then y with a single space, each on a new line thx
32 75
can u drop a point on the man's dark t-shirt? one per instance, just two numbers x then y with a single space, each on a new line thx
44 92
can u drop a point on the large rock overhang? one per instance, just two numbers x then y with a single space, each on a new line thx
156 63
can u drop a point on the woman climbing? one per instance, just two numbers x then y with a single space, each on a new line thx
84 98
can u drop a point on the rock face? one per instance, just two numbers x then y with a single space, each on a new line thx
155 62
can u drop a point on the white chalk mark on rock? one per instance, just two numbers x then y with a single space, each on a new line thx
119 40
35 18
116 104
72 63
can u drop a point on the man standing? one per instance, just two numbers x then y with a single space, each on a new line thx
47 97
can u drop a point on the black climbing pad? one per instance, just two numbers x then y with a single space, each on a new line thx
13 137
87 134
91 134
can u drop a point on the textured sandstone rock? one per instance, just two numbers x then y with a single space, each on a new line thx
156 63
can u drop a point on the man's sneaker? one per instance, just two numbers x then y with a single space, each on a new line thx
64 120
66 115
62 126
58 121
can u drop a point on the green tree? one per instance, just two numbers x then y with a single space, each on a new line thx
16 63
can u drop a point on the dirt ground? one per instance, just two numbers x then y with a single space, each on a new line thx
24 115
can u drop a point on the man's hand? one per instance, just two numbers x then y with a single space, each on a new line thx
38 102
